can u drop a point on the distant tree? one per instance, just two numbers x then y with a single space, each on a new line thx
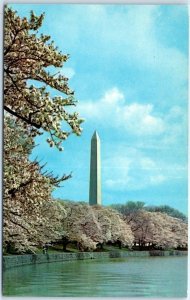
158 230
128 209
29 56
168 210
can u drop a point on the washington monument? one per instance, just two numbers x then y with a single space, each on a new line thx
95 171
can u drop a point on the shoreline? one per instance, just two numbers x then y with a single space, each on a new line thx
12 261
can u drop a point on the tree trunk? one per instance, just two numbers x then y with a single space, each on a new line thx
8 247
101 246
64 243
64 246
119 244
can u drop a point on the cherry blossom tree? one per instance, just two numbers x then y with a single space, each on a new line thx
81 225
173 232
158 229
27 201
114 229
28 58
90 226
30 217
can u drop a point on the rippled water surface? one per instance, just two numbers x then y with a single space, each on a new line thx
149 277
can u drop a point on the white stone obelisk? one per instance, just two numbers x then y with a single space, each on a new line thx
95 171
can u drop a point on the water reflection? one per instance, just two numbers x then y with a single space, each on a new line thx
150 276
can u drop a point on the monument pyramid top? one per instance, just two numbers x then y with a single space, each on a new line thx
95 135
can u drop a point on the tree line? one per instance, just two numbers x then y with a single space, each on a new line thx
31 217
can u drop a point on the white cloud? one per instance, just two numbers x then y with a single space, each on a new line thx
130 169
145 46
134 27
177 128
157 179
112 110
128 34
113 97
147 163
116 172
139 119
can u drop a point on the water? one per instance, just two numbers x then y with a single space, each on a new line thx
148 277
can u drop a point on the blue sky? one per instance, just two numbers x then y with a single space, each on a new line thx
128 66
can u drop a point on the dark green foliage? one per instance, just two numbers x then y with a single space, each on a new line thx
129 207
168 210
